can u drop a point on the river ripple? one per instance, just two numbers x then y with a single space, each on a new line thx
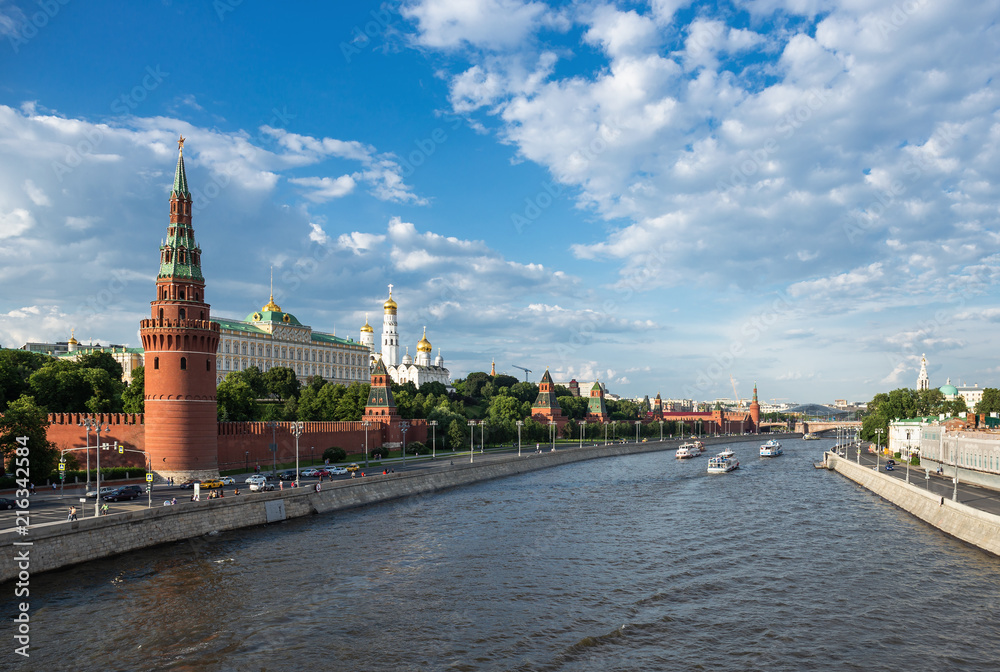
633 563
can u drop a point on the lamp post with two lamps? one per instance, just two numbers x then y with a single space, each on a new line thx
296 430
520 424
552 431
90 423
472 441
637 423
433 425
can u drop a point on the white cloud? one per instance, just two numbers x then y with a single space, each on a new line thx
448 24
37 195
15 223
81 223
325 188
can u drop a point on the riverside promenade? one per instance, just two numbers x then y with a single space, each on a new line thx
973 516
57 544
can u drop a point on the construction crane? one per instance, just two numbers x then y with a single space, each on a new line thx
736 396
526 371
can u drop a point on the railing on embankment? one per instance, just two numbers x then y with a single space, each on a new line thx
959 520
60 544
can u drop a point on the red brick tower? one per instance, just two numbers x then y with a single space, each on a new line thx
381 406
755 410
658 407
596 409
546 407
180 341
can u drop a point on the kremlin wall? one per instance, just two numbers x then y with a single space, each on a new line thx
180 432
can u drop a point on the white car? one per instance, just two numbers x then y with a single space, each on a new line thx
104 491
309 472
260 486
256 478
228 480
337 471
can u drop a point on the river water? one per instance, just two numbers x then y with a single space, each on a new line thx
632 563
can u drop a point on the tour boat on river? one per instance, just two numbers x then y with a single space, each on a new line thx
687 450
722 464
771 449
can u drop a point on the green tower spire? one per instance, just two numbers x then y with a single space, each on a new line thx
180 177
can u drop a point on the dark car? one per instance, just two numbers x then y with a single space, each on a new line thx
7 503
137 489
187 485
287 476
120 494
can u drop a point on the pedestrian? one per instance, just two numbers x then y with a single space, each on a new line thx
72 513
173 501
281 485
31 487
104 509
53 486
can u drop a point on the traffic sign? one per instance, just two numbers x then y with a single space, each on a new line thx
149 478
62 466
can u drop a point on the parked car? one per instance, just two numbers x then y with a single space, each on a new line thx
137 489
323 473
309 472
7 503
211 483
256 478
119 494
104 491
187 485
287 475
228 480
259 486
338 471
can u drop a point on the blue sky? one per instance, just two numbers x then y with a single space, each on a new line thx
660 194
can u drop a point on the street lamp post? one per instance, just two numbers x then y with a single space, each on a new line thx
637 423
605 432
366 443
246 461
403 426
954 456
520 424
311 459
274 445
472 441
582 426
661 430
296 429
433 425
482 436
87 425
90 423
552 431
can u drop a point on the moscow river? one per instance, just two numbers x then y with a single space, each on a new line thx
632 563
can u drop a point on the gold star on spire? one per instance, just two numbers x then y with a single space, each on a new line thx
180 143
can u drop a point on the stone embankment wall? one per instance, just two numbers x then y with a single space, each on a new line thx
960 521
61 544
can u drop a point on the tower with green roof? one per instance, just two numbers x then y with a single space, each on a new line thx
180 341
546 407
596 409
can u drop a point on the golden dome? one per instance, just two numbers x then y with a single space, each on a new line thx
272 306
72 337
367 329
390 305
424 345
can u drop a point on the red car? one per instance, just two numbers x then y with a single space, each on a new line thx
322 472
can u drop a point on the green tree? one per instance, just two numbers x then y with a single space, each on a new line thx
335 454
61 387
133 396
101 360
253 377
281 382
458 435
575 407
16 367
235 401
504 409
310 404
24 418
106 392
990 403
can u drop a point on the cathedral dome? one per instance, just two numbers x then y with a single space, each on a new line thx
424 345
367 329
389 305
949 390
407 360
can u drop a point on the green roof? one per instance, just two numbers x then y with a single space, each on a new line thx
273 316
236 325
180 177
330 338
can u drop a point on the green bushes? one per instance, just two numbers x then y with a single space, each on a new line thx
335 454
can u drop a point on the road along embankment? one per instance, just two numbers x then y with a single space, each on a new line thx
959 520
55 545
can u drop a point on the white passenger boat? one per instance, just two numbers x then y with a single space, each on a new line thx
686 451
728 452
771 449
721 464
699 445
